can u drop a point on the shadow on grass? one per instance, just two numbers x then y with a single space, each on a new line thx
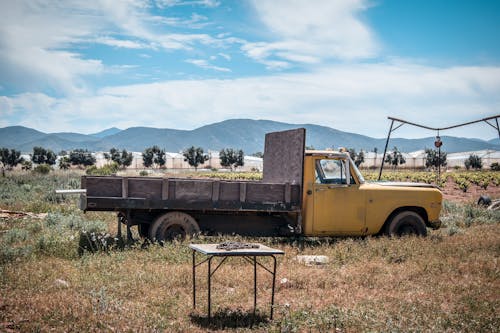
94 242
229 318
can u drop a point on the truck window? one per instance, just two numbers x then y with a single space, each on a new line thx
332 171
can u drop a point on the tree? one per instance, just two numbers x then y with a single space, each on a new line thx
473 162
194 156
395 158
123 159
26 165
258 154
64 163
231 158
357 158
375 150
160 157
9 159
147 157
43 156
153 156
81 157
434 160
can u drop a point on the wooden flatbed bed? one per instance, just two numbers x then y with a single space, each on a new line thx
165 207
105 193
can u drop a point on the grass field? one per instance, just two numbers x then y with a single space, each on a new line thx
446 282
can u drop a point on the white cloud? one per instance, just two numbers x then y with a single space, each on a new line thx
40 42
347 97
225 56
206 65
122 43
32 42
172 3
310 32
196 21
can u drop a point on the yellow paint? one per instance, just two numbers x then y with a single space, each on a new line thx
354 207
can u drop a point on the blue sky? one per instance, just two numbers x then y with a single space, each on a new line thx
85 66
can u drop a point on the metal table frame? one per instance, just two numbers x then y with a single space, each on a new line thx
250 255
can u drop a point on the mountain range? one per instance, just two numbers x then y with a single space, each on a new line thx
245 134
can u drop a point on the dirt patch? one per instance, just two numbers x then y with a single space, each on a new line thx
5 214
452 192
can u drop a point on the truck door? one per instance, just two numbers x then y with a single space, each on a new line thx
339 205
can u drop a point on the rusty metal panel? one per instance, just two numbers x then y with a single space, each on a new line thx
265 193
196 189
284 156
103 186
229 191
150 188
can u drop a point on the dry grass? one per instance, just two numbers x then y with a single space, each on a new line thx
447 282
440 283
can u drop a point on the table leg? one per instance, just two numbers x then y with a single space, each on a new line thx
194 281
274 284
254 285
209 286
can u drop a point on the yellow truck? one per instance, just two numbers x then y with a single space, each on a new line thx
303 192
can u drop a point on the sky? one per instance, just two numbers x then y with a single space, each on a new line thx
84 66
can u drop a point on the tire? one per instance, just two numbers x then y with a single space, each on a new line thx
406 223
173 225
484 200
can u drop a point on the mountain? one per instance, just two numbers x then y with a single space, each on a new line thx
243 134
11 137
106 132
75 137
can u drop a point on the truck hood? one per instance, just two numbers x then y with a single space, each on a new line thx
405 184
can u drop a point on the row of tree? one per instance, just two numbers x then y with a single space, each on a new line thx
151 157
433 159
194 156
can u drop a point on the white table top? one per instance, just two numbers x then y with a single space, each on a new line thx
211 249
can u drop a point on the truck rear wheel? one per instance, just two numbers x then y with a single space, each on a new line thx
406 223
173 225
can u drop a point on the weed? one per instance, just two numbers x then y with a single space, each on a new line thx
15 235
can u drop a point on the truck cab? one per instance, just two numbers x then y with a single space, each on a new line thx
337 201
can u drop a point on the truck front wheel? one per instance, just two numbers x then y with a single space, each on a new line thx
406 223
173 225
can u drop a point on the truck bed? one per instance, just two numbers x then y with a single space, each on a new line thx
113 193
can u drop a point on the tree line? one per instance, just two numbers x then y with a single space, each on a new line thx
45 159
155 157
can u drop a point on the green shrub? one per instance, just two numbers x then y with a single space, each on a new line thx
42 169
62 236
97 241
15 235
10 253
106 170
143 173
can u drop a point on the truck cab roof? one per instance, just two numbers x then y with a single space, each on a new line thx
330 153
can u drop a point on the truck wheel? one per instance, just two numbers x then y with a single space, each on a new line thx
406 223
173 225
